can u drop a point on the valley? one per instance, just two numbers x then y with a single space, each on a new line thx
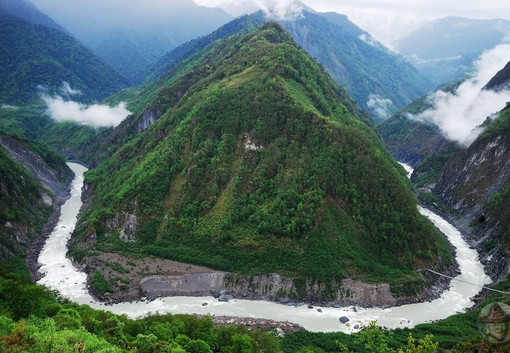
294 179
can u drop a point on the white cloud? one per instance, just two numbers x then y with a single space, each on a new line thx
459 114
96 115
9 107
381 107
68 91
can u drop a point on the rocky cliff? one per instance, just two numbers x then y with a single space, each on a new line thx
501 81
32 184
476 184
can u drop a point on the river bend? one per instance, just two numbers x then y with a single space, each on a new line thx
60 274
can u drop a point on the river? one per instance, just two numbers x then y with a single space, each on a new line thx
60 274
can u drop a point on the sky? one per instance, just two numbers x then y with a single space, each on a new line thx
388 20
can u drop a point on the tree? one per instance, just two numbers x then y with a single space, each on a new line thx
425 345
374 339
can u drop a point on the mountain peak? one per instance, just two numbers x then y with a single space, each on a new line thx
274 32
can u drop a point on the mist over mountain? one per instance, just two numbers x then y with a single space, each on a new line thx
24 9
130 35
445 49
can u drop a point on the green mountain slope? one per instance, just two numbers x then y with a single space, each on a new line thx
172 59
257 166
34 55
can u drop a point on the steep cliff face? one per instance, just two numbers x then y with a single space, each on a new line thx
476 182
501 81
32 181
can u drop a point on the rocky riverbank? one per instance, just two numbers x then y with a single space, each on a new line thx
149 278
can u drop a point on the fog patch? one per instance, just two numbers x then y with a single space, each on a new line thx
368 39
459 114
419 61
381 107
96 115
66 90
284 10
9 107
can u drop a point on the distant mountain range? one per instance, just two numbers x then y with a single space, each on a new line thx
445 49
379 80
130 35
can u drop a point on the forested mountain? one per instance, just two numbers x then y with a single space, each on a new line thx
255 161
32 179
37 58
445 49
131 35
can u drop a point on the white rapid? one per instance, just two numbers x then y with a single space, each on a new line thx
61 275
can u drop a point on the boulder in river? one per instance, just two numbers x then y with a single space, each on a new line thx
225 298
344 319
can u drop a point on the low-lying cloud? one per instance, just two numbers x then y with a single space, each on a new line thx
95 115
67 90
381 107
459 114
